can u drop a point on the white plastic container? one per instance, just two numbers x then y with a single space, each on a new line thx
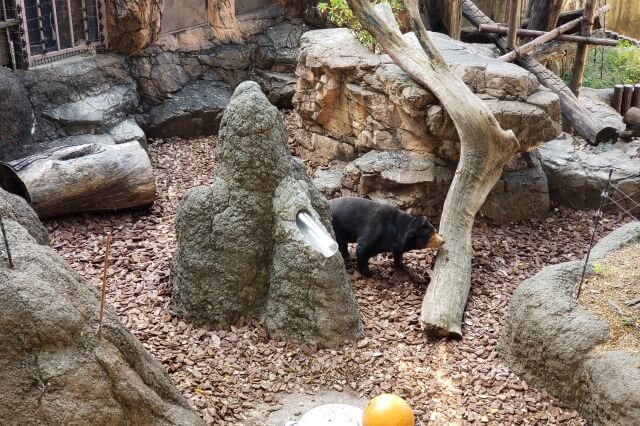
316 234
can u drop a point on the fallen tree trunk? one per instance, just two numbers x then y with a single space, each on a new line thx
485 149
580 118
82 178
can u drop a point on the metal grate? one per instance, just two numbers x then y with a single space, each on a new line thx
52 29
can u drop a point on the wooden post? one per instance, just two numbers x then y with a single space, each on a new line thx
527 47
442 16
496 29
618 91
514 24
6 243
635 99
627 94
583 49
104 285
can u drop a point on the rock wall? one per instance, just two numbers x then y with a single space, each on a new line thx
240 252
551 341
54 369
359 107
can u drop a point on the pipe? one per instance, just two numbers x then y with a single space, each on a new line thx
316 234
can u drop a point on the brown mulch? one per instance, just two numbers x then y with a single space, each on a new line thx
613 293
227 373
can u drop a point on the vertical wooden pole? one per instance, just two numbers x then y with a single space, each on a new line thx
514 24
55 21
73 36
583 48
543 14
618 90
627 94
104 285
6 243
635 99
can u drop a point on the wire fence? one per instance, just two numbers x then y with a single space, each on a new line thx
612 196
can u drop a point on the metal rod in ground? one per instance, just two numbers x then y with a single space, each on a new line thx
6 243
104 285
605 195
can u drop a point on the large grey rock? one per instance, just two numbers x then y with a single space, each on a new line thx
194 111
278 87
239 250
16 113
94 113
80 95
520 194
17 209
578 173
551 341
54 368
277 48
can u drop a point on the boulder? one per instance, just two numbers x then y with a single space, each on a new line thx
240 252
79 95
279 87
418 183
577 173
133 25
552 342
194 111
16 113
353 96
17 209
55 369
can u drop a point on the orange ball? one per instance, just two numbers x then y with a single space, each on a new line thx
387 410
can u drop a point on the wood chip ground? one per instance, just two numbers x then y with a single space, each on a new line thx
227 373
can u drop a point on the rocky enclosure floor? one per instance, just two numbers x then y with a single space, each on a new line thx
227 374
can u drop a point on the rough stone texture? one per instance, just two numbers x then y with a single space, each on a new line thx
418 183
133 25
80 95
194 111
17 209
54 369
350 96
239 251
577 173
359 106
16 113
176 59
128 131
521 193
551 342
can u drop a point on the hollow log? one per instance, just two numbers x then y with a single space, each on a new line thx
496 29
82 178
627 95
485 149
580 118
581 53
442 16
548 36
